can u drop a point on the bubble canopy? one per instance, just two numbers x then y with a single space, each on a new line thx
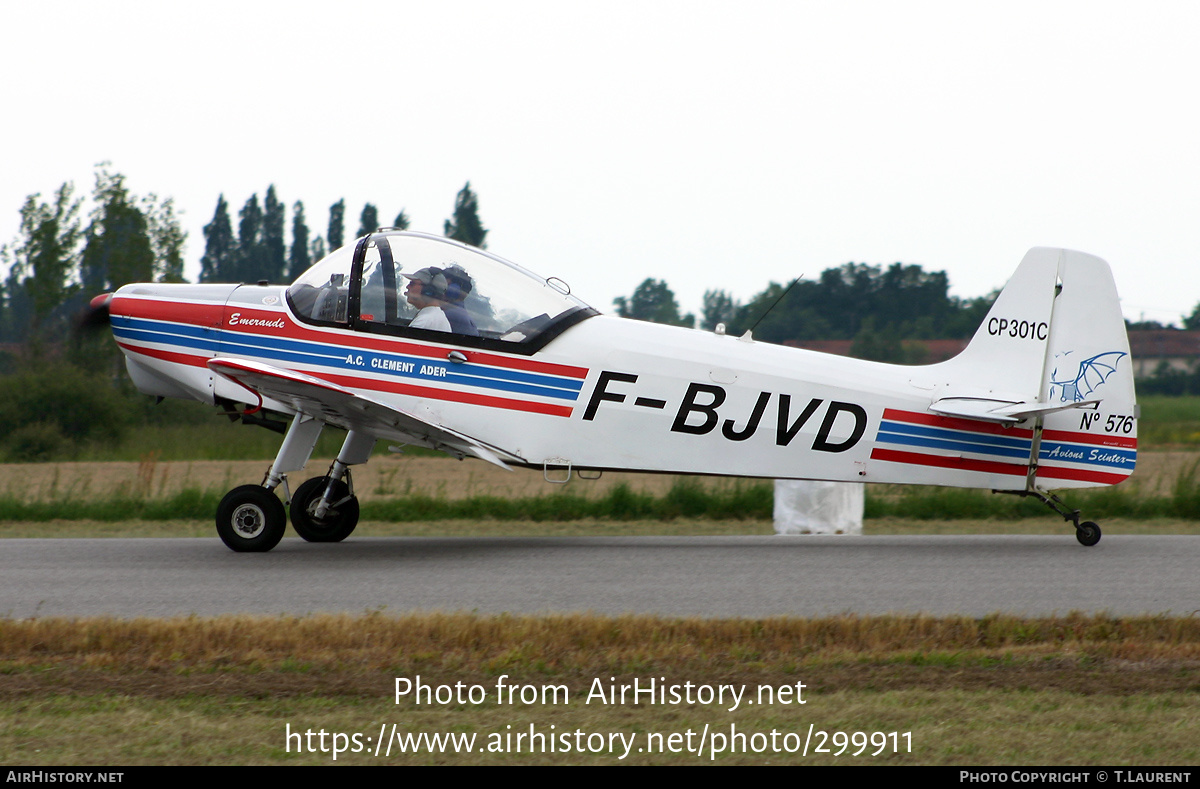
429 287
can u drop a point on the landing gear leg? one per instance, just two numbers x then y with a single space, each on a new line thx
325 509
1088 532
251 517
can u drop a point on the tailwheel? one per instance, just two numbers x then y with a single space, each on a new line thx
339 519
251 519
1088 533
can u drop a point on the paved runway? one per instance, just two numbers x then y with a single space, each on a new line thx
675 576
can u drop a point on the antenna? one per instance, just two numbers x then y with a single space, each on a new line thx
767 311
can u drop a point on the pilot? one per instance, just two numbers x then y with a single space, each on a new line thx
427 292
458 287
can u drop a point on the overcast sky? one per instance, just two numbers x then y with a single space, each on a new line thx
711 144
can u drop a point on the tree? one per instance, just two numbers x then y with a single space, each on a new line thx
337 225
43 258
298 259
118 249
129 239
466 226
1192 322
902 301
220 252
251 258
401 222
274 248
316 249
653 301
167 238
368 221
886 346
718 307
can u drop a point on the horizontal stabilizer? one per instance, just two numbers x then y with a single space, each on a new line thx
346 409
1003 412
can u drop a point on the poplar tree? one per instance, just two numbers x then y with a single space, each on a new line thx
337 225
466 226
298 259
317 249
219 261
368 221
274 248
251 260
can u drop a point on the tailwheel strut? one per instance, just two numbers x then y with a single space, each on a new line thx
1087 532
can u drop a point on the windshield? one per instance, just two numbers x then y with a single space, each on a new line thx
411 283
322 293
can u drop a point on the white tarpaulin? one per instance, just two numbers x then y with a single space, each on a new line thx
810 507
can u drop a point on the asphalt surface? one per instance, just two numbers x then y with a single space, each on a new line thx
674 576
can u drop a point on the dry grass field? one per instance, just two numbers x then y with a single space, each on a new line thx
384 476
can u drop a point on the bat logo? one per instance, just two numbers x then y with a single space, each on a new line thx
1090 374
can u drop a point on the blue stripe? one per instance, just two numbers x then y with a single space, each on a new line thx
931 432
208 344
288 350
951 445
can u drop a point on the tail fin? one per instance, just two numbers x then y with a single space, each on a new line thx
1004 363
1053 353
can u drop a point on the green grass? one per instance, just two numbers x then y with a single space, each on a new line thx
192 431
1002 726
686 499
1169 422
1182 500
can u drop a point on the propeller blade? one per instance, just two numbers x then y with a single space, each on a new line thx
95 316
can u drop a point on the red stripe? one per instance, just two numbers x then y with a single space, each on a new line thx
208 315
1090 438
943 461
449 394
1061 472
992 467
170 356
955 423
212 315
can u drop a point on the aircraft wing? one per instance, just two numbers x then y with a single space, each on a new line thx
349 410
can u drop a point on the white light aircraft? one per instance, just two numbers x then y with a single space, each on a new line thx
416 339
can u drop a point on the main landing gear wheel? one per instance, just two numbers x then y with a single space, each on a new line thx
1088 533
251 519
339 520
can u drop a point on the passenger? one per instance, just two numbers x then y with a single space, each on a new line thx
427 291
458 287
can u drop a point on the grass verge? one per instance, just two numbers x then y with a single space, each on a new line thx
685 498
993 690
